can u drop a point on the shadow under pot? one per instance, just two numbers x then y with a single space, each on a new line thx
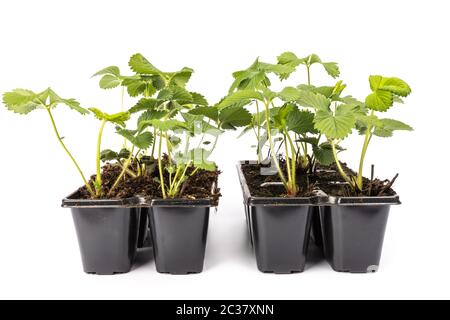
353 231
279 227
179 230
107 232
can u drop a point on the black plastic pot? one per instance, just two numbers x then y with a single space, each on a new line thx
179 231
353 231
144 237
107 231
280 228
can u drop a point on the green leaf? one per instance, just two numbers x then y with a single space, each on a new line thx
163 125
110 81
151 115
392 124
124 153
280 119
313 100
198 99
20 101
141 140
136 87
385 92
332 69
335 126
180 78
74 105
233 117
209 112
379 100
175 93
139 64
289 94
112 70
301 122
323 154
117 118
108 155
146 104
243 96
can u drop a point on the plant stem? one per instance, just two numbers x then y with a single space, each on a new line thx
122 173
68 152
338 164
98 179
258 133
272 148
288 167
309 74
161 175
368 137
293 164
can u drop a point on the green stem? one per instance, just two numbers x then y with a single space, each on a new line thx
288 167
293 165
122 173
98 178
309 74
368 137
272 148
338 164
68 153
258 133
122 107
174 191
161 175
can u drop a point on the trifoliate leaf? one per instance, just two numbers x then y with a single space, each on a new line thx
384 91
20 101
163 125
209 112
313 100
175 93
146 104
139 64
151 115
289 94
140 140
243 96
198 99
332 69
117 118
110 81
337 125
112 70
74 105
301 122
108 155
233 117
180 78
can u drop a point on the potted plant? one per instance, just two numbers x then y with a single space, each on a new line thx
354 221
278 195
106 228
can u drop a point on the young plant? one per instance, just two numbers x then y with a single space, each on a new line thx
173 114
118 119
337 122
286 123
23 101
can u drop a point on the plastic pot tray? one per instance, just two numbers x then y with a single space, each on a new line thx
350 229
110 231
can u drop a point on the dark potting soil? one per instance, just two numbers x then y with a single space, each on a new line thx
254 179
325 178
201 185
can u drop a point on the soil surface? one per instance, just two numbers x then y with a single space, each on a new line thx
201 185
325 178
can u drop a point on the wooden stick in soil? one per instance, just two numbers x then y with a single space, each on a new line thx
388 185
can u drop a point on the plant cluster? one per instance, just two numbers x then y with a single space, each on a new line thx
175 133
309 121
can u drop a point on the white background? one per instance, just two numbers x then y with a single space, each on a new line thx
62 43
